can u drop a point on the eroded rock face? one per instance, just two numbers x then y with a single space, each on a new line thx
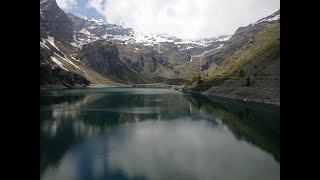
56 33
99 28
101 56
54 21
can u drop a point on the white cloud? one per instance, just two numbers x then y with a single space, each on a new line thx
67 4
195 149
99 5
190 19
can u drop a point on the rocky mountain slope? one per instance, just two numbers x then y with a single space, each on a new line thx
94 29
238 39
57 64
151 57
76 51
251 73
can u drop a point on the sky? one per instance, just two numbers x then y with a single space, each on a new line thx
187 19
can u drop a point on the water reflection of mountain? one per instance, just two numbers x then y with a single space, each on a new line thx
259 124
68 120
60 123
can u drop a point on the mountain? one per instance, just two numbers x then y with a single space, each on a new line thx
152 57
57 63
97 29
104 58
54 22
77 51
251 72
238 39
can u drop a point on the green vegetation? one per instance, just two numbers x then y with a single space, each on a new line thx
241 73
262 42
264 48
196 79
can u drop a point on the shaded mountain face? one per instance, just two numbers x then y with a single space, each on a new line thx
103 57
54 21
56 31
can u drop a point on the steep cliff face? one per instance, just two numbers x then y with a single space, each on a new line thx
58 65
103 57
55 34
54 21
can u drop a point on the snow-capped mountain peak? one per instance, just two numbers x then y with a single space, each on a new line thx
273 17
99 29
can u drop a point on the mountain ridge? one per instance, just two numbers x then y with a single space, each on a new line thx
96 52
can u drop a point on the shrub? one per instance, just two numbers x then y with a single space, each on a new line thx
241 73
248 81
196 79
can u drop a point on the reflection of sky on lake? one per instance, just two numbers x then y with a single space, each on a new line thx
159 136
183 148
186 149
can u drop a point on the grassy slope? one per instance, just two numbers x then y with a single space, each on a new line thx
265 44
259 58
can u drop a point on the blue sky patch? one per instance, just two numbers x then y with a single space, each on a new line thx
82 9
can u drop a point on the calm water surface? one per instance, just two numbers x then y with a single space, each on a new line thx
142 133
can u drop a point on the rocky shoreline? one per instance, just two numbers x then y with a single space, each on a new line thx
60 86
265 90
247 94
248 99
50 87
253 94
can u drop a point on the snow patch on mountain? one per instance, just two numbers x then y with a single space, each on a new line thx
41 13
68 60
55 55
85 31
51 41
76 43
270 19
224 39
152 39
220 46
98 21
43 43
273 17
75 59
54 59
43 1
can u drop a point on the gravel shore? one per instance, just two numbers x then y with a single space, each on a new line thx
264 90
